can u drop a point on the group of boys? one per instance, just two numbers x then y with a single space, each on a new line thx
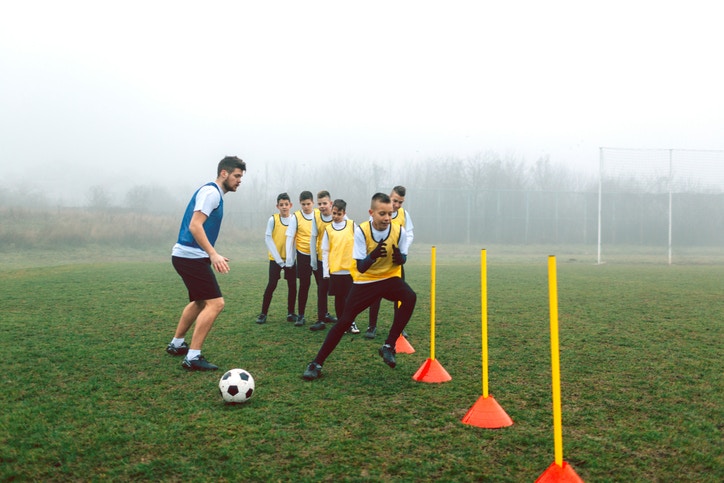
358 264
294 242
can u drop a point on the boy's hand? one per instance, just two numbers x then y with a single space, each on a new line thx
397 257
379 251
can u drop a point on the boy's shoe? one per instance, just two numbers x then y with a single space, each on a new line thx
300 321
371 332
261 319
198 364
388 355
319 325
291 317
330 318
353 329
181 350
405 334
313 371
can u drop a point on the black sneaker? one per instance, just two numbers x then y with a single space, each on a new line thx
405 334
198 364
371 332
300 321
319 325
353 329
388 355
313 371
291 317
261 319
330 318
181 350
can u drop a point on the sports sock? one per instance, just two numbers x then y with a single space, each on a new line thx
176 342
193 354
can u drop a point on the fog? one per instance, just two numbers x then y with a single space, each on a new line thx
106 97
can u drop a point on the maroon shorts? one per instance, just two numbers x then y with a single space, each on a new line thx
198 276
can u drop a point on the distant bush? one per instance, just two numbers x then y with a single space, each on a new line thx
79 227
33 228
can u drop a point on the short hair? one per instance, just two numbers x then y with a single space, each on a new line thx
341 205
283 196
380 198
306 195
323 194
229 164
400 190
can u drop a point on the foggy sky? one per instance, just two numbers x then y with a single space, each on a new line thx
126 93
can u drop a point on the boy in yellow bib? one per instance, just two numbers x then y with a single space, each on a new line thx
380 250
279 259
337 246
299 236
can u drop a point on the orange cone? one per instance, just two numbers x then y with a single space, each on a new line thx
487 413
402 346
555 473
432 371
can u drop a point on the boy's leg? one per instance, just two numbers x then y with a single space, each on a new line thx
304 272
322 290
374 312
339 287
396 290
274 274
359 298
290 274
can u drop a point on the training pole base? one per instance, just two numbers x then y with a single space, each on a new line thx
556 473
487 413
402 346
431 371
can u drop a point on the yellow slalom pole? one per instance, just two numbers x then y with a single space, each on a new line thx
555 361
432 306
484 311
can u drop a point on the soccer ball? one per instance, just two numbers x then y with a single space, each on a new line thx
236 386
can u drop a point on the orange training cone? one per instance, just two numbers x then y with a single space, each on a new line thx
432 371
402 346
487 413
563 474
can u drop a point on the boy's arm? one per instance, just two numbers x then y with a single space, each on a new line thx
366 260
313 246
291 247
399 252
269 241
409 227
325 255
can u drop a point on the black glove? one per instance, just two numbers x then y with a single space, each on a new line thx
379 251
397 257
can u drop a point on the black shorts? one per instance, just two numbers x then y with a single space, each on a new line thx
198 276
304 265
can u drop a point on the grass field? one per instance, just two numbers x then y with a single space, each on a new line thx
89 393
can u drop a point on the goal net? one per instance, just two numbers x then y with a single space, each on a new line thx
660 203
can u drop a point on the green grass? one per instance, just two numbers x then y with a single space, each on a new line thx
89 393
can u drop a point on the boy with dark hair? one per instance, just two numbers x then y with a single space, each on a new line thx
380 250
401 217
299 237
195 259
337 245
279 259
322 218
